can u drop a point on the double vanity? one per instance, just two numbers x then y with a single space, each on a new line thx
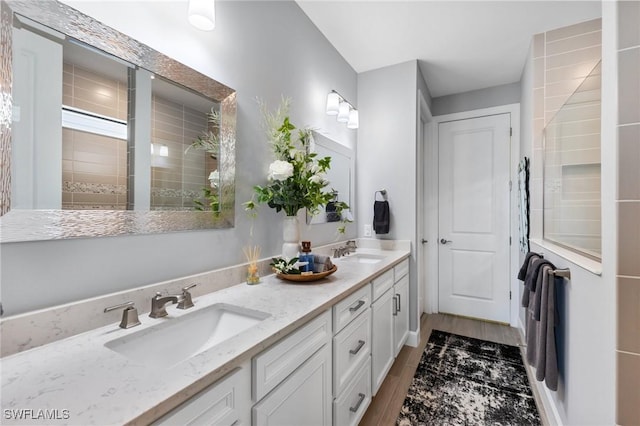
276 353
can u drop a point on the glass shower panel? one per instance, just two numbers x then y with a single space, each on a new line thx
572 193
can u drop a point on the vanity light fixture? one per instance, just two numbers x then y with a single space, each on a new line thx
337 105
202 14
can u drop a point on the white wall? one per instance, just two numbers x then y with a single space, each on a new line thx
262 49
505 94
387 154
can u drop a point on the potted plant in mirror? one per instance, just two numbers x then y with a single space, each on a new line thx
296 178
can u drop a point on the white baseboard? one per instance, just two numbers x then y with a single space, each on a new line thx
414 339
553 416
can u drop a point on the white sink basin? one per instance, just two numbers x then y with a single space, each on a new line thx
362 258
177 339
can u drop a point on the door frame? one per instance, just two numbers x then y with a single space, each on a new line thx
429 207
424 139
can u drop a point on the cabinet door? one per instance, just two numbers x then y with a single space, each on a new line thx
227 402
401 318
382 338
304 398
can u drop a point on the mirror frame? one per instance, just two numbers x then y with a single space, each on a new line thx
35 225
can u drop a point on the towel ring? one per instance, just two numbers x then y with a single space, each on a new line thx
382 192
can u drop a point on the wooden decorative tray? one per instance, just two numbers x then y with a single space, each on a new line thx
307 278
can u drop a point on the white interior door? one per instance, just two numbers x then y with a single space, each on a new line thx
474 217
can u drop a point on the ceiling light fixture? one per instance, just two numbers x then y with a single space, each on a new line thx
202 14
337 105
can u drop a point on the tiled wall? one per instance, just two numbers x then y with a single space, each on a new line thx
94 167
176 180
628 281
562 59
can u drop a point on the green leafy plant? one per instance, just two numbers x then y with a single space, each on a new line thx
211 201
283 266
297 176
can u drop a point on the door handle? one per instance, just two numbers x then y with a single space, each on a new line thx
356 306
423 241
399 303
443 241
361 398
395 306
357 348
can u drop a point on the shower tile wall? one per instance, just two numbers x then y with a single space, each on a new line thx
177 179
94 167
628 196
562 59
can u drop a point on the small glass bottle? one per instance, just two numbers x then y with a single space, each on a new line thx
306 258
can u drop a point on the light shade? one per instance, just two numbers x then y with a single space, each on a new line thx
343 112
354 120
333 103
202 14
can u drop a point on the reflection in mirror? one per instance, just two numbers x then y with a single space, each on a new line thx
572 172
340 177
184 155
104 132
94 129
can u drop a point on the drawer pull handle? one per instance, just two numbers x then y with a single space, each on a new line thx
356 306
361 397
357 349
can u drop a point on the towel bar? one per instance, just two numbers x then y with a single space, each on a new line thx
382 192
564 273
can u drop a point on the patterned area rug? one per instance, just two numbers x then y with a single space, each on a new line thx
465 381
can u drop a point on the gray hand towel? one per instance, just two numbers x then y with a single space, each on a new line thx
381 217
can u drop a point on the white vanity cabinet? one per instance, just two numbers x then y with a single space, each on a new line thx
401 306
227 402
390 320
292 378
352 357
382 351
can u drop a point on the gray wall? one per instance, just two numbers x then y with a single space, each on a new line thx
477 99
262 49
387 154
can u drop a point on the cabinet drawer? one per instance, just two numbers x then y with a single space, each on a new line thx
401 269
226 402
274 364
351 405
304 398
350 307
382 284
351 347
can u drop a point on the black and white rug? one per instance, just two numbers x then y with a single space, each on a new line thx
465 381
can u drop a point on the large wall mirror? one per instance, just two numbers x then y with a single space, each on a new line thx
341 177
103 136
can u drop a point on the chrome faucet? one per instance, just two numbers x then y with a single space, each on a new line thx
349 247
186 302
158 303
129 314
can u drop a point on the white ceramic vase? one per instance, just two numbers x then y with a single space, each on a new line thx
291 237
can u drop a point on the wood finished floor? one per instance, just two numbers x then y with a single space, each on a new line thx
386 405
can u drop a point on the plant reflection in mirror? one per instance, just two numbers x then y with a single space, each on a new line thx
209 142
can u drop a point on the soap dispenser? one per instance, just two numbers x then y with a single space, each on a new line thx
306 258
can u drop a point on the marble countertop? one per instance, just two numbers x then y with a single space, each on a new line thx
80 381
